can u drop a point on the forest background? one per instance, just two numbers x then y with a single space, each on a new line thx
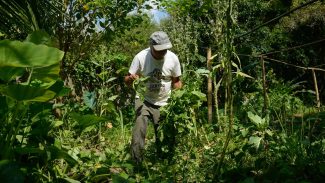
250 110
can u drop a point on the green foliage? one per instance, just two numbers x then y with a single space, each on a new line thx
134 39
100 78
26 125
88 139
19 18
297 28
73 26
10 172
33 55
85 121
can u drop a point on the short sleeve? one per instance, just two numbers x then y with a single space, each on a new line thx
135 66
177 68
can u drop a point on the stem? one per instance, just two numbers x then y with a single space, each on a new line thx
30 76
216 89
209 86
264 89
14 130
229 97
316 89
122 126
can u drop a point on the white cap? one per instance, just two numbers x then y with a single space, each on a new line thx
160 41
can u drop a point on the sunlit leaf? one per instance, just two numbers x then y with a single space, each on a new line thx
202 71
112 98
201 95
26 54
57 123
87 120
111 79
178 93
255 141
244 75
71 180
216 67
257 120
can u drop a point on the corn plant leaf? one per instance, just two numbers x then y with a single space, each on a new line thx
216 67
71 180
243 74
235 65
111 79
202 72
213 56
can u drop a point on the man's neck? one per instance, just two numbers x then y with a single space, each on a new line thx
153 55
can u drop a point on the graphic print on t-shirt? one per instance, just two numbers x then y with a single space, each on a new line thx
154 83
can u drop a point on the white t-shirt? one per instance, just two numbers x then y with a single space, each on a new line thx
160 73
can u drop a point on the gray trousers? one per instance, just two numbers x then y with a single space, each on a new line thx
145 111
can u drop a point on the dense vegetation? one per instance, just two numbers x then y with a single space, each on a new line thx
66 115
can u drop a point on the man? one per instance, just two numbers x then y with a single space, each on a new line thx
163 70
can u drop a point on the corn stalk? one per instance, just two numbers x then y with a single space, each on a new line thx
228 41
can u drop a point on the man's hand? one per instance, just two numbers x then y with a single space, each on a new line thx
130 78
176 83
133 76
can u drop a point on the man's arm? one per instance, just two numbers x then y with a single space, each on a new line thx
128 79
176 83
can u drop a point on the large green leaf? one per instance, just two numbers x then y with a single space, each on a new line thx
27 93
40 37
47 74
9 73
26 54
